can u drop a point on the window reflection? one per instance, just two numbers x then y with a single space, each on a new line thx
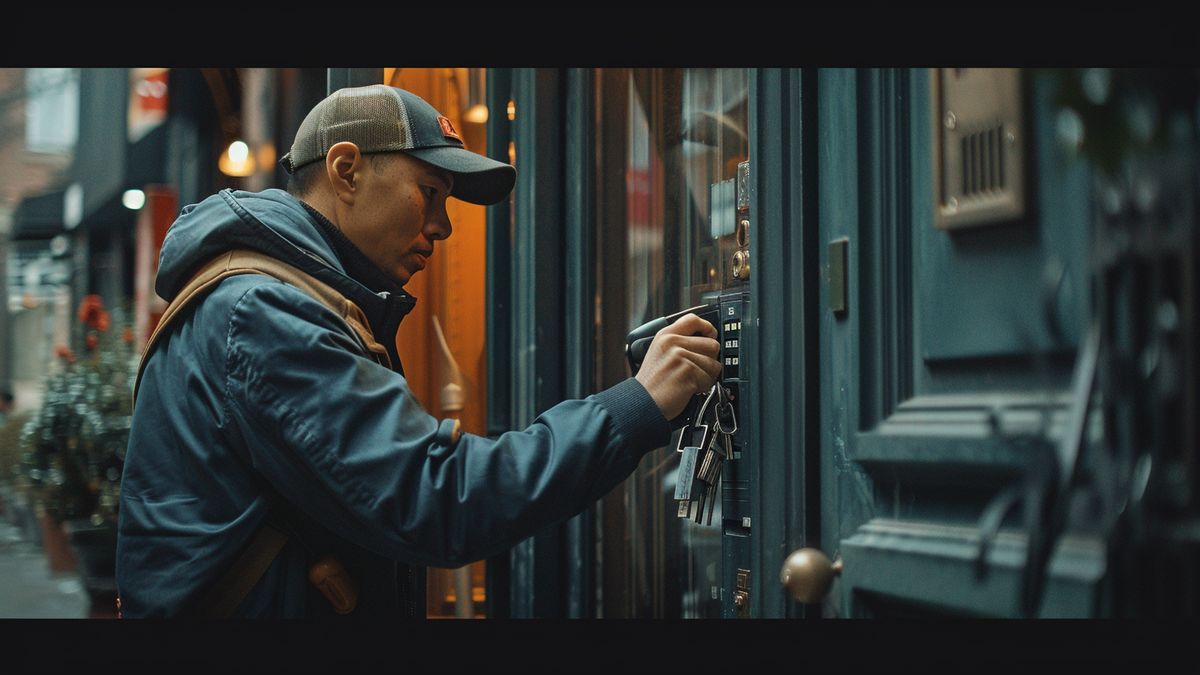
665 138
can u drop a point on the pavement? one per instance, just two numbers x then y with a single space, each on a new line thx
28 589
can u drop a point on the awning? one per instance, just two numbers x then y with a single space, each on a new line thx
38 217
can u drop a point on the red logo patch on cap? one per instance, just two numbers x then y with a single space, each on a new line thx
448 129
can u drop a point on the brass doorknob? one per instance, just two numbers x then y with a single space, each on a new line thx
808 573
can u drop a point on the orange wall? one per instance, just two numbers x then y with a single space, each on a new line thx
452 286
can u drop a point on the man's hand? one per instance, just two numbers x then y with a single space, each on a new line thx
681 362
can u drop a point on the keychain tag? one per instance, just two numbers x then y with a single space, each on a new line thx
687 473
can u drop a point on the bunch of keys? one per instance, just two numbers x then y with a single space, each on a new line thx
697 484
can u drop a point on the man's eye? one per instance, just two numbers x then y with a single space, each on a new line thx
430 193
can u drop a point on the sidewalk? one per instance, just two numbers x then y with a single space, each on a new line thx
28 590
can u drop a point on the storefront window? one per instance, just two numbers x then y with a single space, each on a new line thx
52 112
664 139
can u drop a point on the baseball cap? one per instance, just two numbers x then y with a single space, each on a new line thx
379 118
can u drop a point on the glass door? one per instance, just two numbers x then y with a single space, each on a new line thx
668 147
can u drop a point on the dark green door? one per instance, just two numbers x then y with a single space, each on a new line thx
945 348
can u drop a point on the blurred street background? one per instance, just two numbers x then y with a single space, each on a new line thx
31 590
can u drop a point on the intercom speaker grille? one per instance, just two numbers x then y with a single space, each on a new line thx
978 147
983 163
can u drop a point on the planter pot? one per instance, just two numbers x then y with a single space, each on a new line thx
55 544
95 547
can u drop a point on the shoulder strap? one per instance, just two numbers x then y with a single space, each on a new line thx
242 261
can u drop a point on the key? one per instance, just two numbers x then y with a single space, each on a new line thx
727 453
724 424
709 473
699 488
697 460
712 476
713 495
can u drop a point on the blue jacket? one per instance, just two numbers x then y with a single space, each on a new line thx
261 391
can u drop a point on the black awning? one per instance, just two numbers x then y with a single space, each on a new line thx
39 217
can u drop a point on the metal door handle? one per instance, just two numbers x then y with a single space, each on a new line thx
808 574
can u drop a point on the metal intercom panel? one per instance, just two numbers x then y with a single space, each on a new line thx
978 154
734 301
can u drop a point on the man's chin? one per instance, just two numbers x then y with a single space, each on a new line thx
402 275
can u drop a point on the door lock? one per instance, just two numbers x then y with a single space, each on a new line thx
741 265
741 594
739 269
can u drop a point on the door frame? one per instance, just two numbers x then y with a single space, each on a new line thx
784 406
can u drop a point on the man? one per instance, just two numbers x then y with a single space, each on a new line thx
261 409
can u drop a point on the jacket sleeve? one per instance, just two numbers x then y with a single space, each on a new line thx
345 440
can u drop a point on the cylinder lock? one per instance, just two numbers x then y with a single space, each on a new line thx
741 265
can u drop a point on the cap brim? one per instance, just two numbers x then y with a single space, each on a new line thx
477 179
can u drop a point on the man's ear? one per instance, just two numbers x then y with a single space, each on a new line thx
343 164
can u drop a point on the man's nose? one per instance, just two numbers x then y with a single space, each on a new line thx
439 227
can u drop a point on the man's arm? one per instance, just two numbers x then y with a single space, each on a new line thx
346 441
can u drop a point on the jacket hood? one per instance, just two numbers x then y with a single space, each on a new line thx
275 223
238 219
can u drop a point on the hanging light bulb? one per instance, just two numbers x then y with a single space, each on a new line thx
477 110
236 160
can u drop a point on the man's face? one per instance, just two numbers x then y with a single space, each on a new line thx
399 211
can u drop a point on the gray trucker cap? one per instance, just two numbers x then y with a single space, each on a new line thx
379 118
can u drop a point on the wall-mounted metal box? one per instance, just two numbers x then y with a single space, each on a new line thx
978 153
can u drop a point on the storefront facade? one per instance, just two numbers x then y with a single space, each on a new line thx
958 318
929 334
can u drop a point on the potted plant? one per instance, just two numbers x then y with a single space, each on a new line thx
75 447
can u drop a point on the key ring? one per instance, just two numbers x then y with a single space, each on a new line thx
703 411
723 404
698 422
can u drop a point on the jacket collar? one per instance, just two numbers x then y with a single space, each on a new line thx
358 266
385 307
385 317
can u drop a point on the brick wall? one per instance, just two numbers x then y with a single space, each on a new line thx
22 172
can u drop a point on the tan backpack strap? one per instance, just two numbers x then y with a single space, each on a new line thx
243 261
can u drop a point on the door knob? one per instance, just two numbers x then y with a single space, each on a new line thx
808 573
